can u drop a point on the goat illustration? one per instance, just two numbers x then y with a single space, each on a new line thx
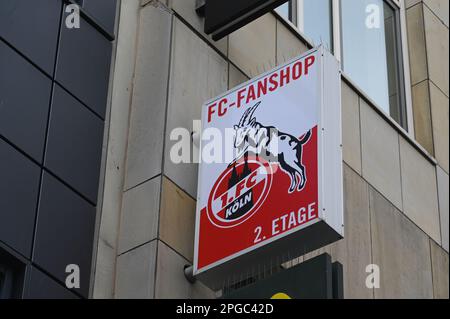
275 146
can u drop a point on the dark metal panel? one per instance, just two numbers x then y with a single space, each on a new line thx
298 244
32 28
64 232
40 286
103 11
19 184
12 273
24 102
311 279
224 17
338 280
74 145
83 67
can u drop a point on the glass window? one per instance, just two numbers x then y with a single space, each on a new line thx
371 52
286 11
313 18
315 21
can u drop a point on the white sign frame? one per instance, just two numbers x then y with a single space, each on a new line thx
330 225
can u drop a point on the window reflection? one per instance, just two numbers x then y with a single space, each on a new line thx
393 54
315 20
370 52
370 39
284 11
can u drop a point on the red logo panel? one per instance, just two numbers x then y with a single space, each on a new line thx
255 200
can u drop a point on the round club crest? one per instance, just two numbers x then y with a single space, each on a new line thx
239 192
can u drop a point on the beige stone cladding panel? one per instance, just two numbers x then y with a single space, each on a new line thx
355 251
416 43
288 44
436 35
170 280
422 115
146 136
440 8
401 250
439 261
139 219
420 197
440 116
177 219
443 190
135 276
380 155
253 47
198 73
116 153
235 77
351 133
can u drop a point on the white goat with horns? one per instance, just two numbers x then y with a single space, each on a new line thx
273 145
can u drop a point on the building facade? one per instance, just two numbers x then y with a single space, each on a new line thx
111 153
54 82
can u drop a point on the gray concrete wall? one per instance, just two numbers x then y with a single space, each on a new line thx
396 191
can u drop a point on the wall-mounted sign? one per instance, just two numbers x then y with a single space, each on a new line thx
223 17
280 194
317 278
